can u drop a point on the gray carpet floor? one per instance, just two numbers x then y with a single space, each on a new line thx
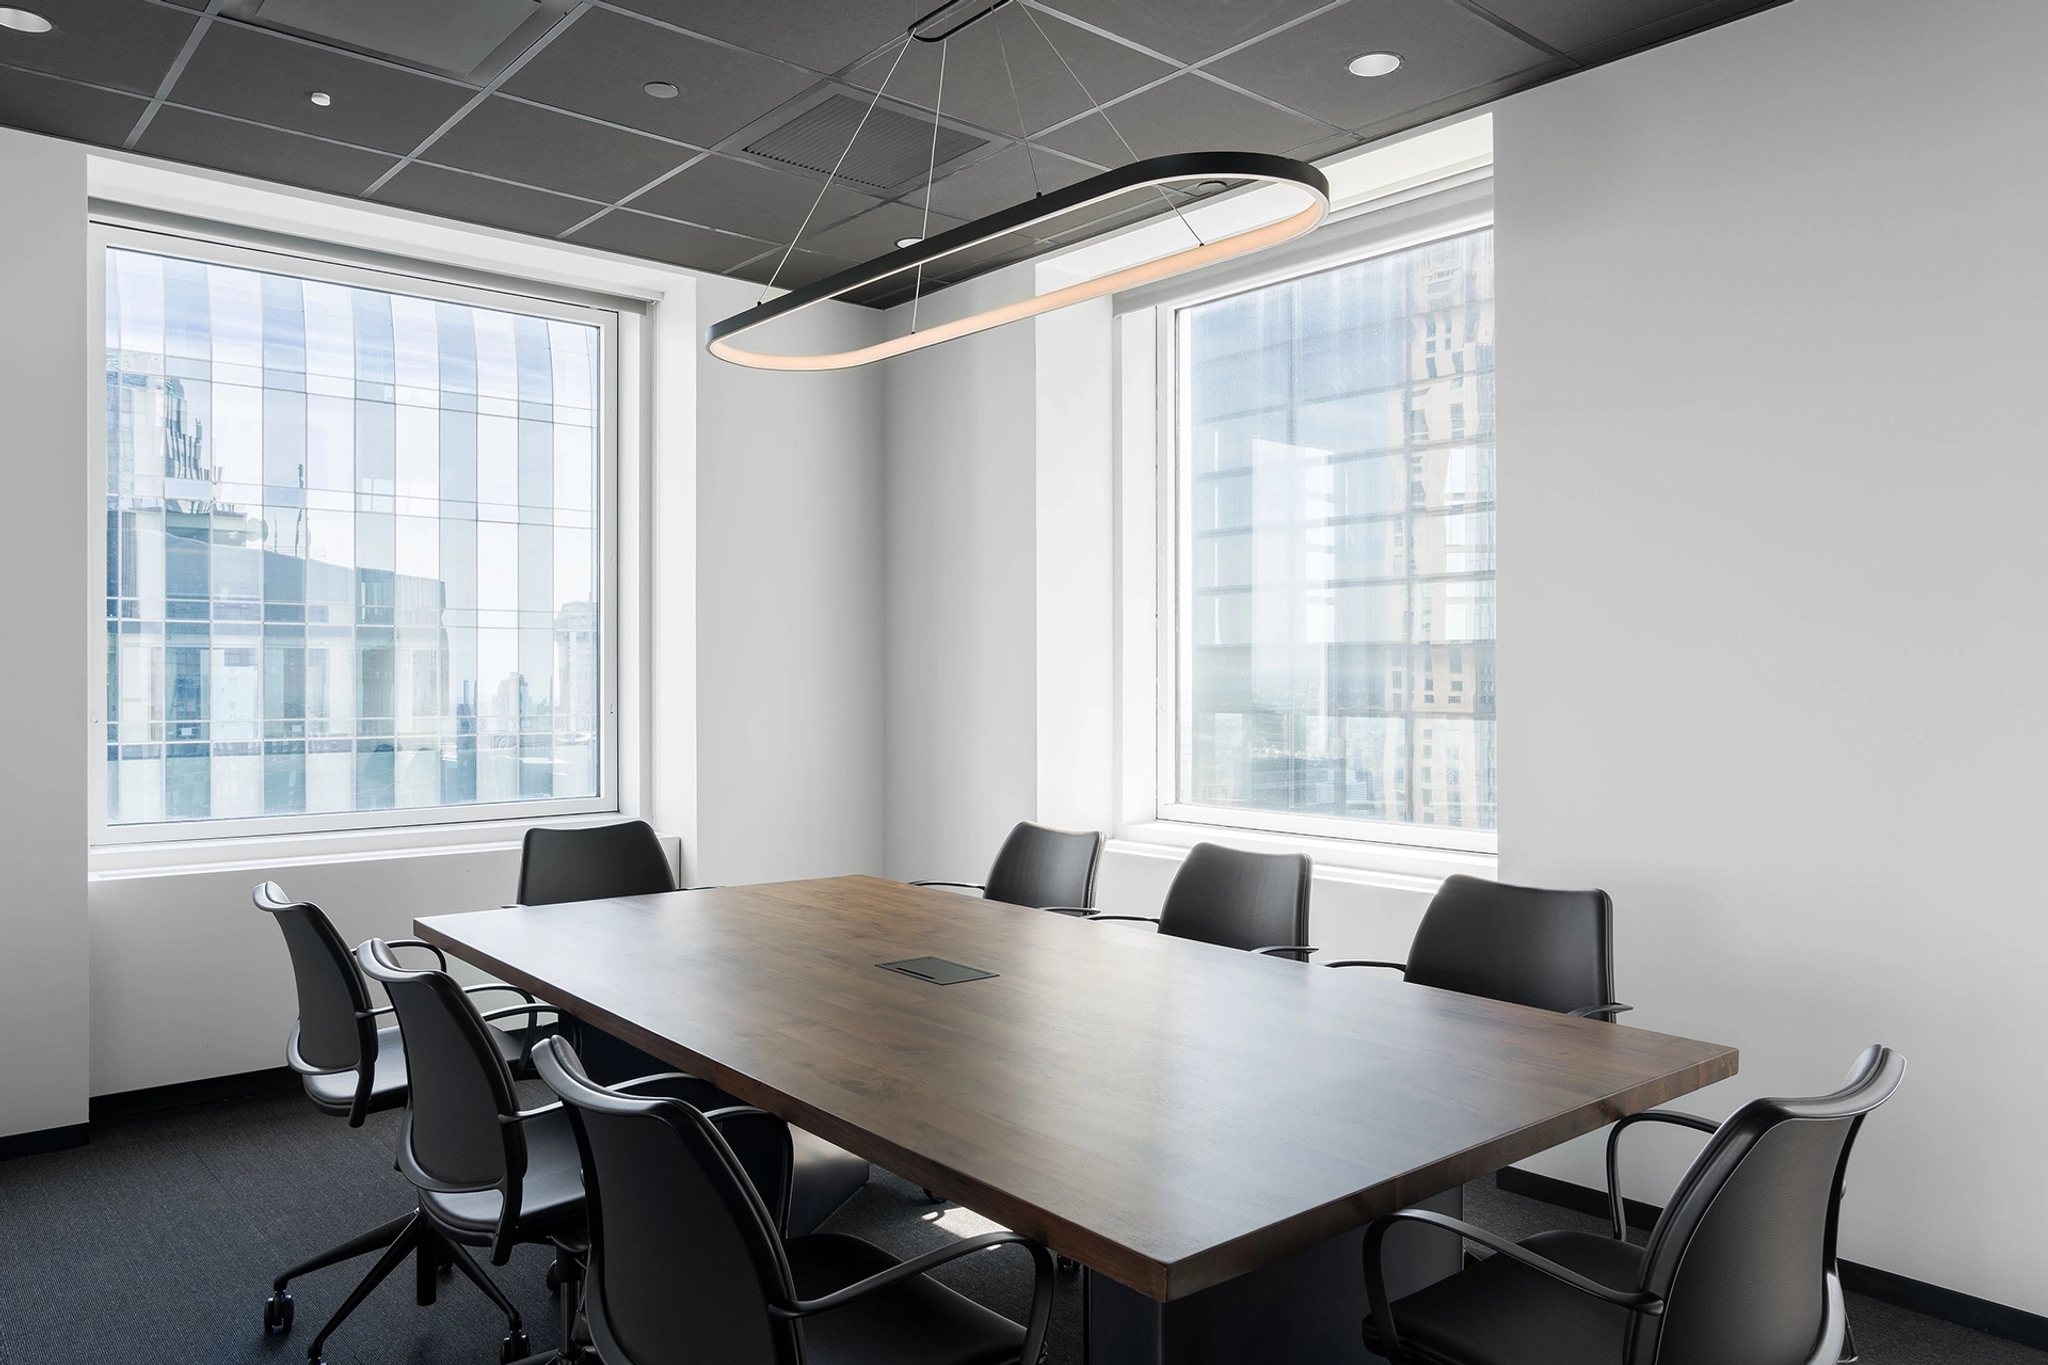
159 1240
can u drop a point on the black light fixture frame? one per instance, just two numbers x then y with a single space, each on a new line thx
1151 173
918 30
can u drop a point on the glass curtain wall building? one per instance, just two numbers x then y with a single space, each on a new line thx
352 548
1336 543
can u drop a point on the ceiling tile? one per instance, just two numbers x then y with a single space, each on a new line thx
742 197
598 65
824 35
876 232
555 151
45 104
261 76
977 85
1187 30
1444 48
1655 28
267 153
472 198
126 44
1187 114
994 183
637 234
802 268
1570 24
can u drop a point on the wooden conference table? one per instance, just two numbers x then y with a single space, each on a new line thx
1205 1130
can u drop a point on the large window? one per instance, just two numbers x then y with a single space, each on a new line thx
1333 591
354 546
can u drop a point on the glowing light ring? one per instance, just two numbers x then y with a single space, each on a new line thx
1155 171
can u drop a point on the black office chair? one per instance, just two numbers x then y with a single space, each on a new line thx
349 1066
598 862
488 1173
594 863
686 1264
1048 869
1521 944
1740 1267
1254 901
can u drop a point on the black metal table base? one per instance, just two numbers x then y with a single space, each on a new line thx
1305 1308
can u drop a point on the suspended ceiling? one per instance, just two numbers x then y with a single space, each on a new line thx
532 115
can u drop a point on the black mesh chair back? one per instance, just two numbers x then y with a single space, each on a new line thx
1744 1255
1042 867
1238 899
335 1031
557 865
460 1133
1521 944
685 1263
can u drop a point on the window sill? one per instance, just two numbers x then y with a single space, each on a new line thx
114 861
1400 866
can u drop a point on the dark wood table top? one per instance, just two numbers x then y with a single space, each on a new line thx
1171 1114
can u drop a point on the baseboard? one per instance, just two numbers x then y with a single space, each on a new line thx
1949 1305
43 1140
277 1080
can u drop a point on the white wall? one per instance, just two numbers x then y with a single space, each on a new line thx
960 571
1772 637
789 606
42 792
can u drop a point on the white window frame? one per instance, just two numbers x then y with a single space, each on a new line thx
619 323
1151 556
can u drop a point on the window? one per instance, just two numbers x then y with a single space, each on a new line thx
1332 475
355 546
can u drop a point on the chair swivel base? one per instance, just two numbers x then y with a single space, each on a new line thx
412 1235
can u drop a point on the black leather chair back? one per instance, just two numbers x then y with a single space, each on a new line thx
335 1031
456 1137
1744 1255
1521 944
684 1257
557 865
1238 899
1038 867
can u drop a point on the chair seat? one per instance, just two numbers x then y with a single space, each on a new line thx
919 1322
1500 1313
822 1177
335 1092
550 1196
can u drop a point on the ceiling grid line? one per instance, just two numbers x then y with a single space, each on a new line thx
177 69
512 68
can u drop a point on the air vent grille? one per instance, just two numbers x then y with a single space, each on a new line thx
893 147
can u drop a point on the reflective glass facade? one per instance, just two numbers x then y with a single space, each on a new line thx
352 548
1336 543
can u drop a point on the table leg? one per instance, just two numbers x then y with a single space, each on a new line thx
1305 1308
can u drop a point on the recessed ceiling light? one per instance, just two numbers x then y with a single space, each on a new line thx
1375 64
21 21
908 241
321 98
661 90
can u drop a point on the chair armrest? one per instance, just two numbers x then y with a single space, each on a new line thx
528 1010
656 1076
1135 919
1070 911
1616 1211
965 886
1636 1301
523 1115
439 956
519 991
1279 949
1368 962
896 1274
1606 1011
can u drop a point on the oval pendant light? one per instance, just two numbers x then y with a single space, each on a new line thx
1155 172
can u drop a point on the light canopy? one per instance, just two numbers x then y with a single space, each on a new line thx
1159 171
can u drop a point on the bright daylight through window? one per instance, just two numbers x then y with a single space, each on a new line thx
1335 577
353 545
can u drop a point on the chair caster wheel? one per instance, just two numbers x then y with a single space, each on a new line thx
277 1314
514 1347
